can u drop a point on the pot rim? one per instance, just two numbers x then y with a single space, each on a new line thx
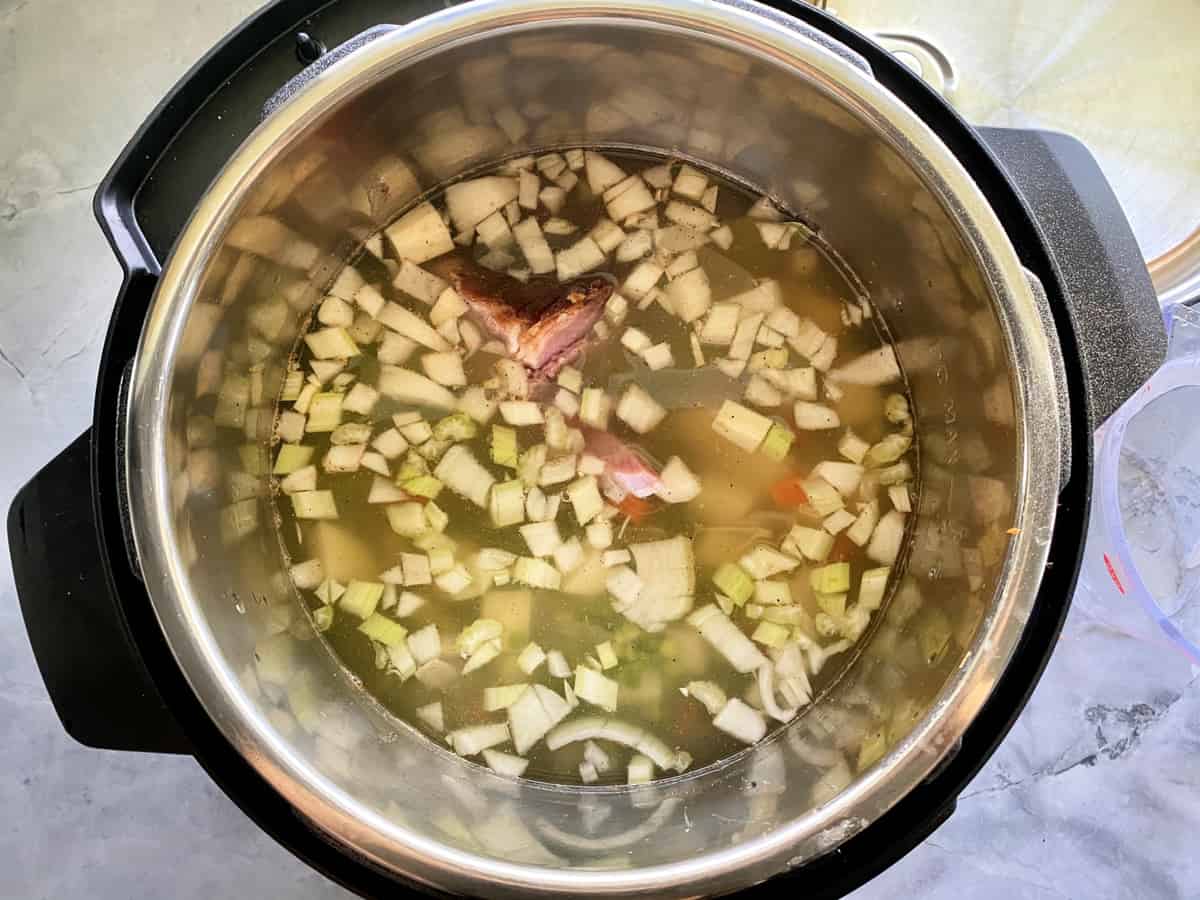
745 27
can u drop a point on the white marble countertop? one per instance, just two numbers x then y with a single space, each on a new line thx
1095 793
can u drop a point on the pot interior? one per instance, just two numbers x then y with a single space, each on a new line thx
426 113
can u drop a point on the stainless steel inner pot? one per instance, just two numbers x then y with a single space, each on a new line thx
740 89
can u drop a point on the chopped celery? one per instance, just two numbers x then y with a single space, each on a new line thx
504 446
537 573
422 486
361 598
733 581
324 412
292 457
831 579
476 634
771 635
455 427
322 618
741 425
380 628
425 644
329 591
436 516
777 443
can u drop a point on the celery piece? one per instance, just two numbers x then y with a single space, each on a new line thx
322 618
778 442
733 581
292 457
832 604
361 598
771 635
455 427
380 628
831 579
422 486
504 446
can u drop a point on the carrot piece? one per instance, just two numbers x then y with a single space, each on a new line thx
789 493
635 507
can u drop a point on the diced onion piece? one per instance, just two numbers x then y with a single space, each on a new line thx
521 412
557 470
763 298
420 234
308 574
689 216
431 714
677 483
635 340
853 447
726 638
533 244
838 521
761 393
875 368
600 534
449 306
635 245
542 538
584 495
411 326
331 343
536 573
533 714
887 538
741 426
437 674
418 283
770 635
743 338
814 416
641 280
470 202
601 173
864 526
640 770
607 235
425 644
639 410
721 324
596 688
527 189
690 295
722 237
530 658
624 584
842 475
415 567
709 693
487 652
444 368
764 561
582 256
772 593
690 183
733 582
658 357
462 473
477 738
409 387
898 495
343 458
505 763
740 721
314 505
628 197
395 349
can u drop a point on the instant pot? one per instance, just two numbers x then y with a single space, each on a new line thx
148 569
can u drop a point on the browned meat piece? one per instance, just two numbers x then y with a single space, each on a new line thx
543 323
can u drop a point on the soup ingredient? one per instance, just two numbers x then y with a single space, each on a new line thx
599 518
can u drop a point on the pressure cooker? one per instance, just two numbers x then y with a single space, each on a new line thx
997 260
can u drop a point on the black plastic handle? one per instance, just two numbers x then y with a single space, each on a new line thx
97 680
1104 277
321 63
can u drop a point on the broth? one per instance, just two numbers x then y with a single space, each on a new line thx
746 390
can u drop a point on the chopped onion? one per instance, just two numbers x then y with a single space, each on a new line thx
639 410
764 561
864 526
533 244
887 538
596 688
582 256
420 235
641 769
658 357
444 368
743 338
635 340
314 505
690 183
410 387
740 721
505 763
842 475
814 417
898 495
601 173
534 713
726 638
875 368
463 474
537 573
641 280
470 202
431 714
476 739
677 483
690 295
